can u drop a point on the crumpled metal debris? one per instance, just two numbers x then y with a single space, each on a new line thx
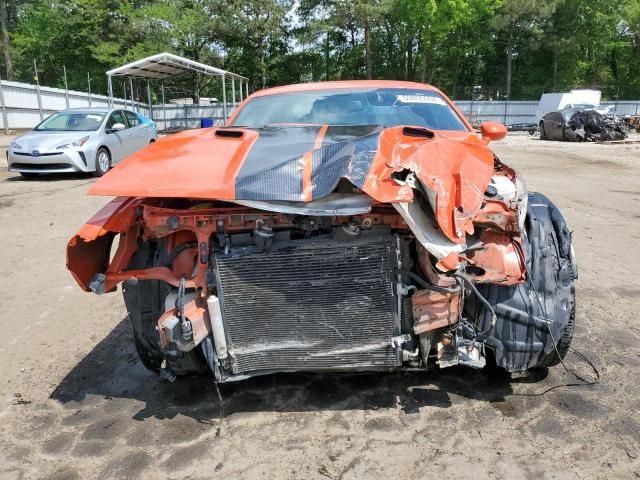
592 125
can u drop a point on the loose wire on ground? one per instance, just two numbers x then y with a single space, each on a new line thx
584 382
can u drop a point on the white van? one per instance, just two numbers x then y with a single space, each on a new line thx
550 102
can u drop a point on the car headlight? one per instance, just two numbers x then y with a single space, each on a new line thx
76 143
16 146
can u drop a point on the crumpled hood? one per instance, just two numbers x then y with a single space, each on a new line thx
275 163
303 163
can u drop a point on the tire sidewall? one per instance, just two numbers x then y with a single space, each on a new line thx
99 171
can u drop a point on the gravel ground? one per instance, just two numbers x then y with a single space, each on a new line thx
75 402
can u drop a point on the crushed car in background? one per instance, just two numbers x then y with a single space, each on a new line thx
582 125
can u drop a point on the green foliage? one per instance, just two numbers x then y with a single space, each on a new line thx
454 44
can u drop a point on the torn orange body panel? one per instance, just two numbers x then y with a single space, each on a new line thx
500 260
432 310
455 167
497 215
88 251
196 313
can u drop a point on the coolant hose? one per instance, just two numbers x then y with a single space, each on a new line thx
428 286
480 337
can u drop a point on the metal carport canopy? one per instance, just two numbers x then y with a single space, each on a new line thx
167 65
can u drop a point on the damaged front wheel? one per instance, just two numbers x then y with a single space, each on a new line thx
535 319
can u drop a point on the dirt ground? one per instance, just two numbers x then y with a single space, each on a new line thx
75 402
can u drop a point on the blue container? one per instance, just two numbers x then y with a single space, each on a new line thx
206 122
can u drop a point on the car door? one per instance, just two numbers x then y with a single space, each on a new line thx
115 140
140 134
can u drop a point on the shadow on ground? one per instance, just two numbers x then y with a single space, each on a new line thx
112 370
47 177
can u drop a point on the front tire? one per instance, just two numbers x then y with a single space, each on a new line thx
536 319
145 304
562 347
543 134
103 162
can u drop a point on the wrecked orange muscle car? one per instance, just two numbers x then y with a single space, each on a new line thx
337 226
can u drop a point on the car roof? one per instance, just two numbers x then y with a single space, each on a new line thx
87 109
315 86
95 110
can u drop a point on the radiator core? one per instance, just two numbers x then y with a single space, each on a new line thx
311 305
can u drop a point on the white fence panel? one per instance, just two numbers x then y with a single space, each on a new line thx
173 116
514 112
22 109
509 113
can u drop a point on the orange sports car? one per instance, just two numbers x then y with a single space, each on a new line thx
340 226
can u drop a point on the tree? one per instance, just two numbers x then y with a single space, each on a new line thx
259 26
9 11
455 44
520 18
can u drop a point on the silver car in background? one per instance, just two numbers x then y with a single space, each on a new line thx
79 140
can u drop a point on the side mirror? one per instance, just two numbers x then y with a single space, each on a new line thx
492 131
117 127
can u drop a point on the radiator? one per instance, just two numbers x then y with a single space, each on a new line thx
311 305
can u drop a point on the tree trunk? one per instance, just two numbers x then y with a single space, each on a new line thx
554 76
408 71
263 69
367 49
456 71
195 95
509 62
326 57
591 71
4 34
423 66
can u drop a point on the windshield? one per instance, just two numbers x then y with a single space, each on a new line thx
381 106
72 122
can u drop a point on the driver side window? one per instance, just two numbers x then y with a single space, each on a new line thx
116 117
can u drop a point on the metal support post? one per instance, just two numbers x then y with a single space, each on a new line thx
66 87
110 91
89 87
133 104
164 111
506 106
149 99
224 99
37 79
5 119
233 89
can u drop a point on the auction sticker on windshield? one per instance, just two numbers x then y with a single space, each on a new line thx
421 99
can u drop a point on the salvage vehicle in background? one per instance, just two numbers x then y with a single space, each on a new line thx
79 140
582 123
340 226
